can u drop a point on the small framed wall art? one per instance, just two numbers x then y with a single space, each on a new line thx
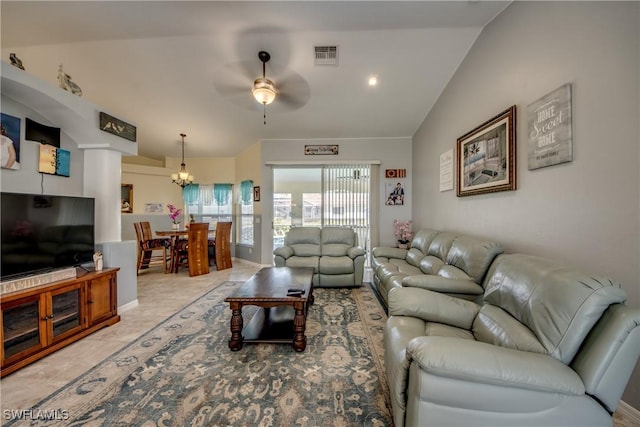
126 198
486 156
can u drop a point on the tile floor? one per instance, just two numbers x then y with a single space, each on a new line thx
159 296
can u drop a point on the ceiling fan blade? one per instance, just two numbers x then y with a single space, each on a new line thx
294 91
233 82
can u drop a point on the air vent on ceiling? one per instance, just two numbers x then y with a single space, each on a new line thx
326 55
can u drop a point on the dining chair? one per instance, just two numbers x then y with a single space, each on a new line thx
193 252
222 246
148 248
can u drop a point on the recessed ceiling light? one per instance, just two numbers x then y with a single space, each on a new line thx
373 80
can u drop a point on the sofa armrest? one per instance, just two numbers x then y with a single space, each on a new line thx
443 284
483 363
389 252
355 252
432 307
283 251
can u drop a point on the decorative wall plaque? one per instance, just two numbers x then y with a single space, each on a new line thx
549 127
395 173
117 127
314 150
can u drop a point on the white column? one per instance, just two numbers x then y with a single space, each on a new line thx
102 181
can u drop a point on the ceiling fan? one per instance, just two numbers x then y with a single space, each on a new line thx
232 81
264 90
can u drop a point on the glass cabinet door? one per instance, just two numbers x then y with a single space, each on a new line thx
66 312
21 327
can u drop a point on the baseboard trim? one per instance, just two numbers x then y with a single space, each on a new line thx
128 306
629 412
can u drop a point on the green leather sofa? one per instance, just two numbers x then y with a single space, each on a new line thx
441 261
548 345
333 252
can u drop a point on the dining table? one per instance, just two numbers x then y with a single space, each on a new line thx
174 236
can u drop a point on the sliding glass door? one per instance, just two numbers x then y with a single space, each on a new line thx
336 195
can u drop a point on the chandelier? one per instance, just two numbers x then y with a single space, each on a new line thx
182 178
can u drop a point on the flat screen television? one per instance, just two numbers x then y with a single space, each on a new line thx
44 232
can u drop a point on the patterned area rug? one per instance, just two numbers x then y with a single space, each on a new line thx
182 373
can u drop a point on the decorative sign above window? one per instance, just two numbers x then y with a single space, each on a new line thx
313 150
395 173
117 127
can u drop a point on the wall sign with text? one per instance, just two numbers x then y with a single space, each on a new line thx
549 129
315 150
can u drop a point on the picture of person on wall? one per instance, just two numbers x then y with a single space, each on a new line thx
396 196
9 150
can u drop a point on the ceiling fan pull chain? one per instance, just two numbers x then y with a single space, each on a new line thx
264 113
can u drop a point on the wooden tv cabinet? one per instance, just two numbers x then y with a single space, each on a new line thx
37 321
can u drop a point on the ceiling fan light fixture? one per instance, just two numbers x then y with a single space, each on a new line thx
264 91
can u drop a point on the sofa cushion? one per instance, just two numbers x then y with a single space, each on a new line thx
453 272
441 330
495 326
305 241
431 264
336 241
559 305
335 265
442 284
423 239
473 256
414 256
303 261
441 244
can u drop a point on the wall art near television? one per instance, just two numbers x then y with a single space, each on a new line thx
10 152
54 161
34 131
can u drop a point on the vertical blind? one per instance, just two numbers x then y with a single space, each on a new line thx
346 190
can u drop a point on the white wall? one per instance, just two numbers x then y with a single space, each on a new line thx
390 153
28 179
586 212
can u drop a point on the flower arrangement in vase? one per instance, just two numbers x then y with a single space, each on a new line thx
174 214
403 232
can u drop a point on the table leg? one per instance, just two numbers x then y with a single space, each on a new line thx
299 326
235 343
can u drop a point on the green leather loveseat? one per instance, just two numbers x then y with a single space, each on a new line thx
333 252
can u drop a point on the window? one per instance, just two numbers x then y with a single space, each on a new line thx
317 196
312 209
281 217
245 232
208 203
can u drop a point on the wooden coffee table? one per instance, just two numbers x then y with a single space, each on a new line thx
281 319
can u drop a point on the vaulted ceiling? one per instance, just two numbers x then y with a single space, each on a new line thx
188 66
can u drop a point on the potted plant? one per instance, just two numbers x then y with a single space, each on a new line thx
174 215
403 233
